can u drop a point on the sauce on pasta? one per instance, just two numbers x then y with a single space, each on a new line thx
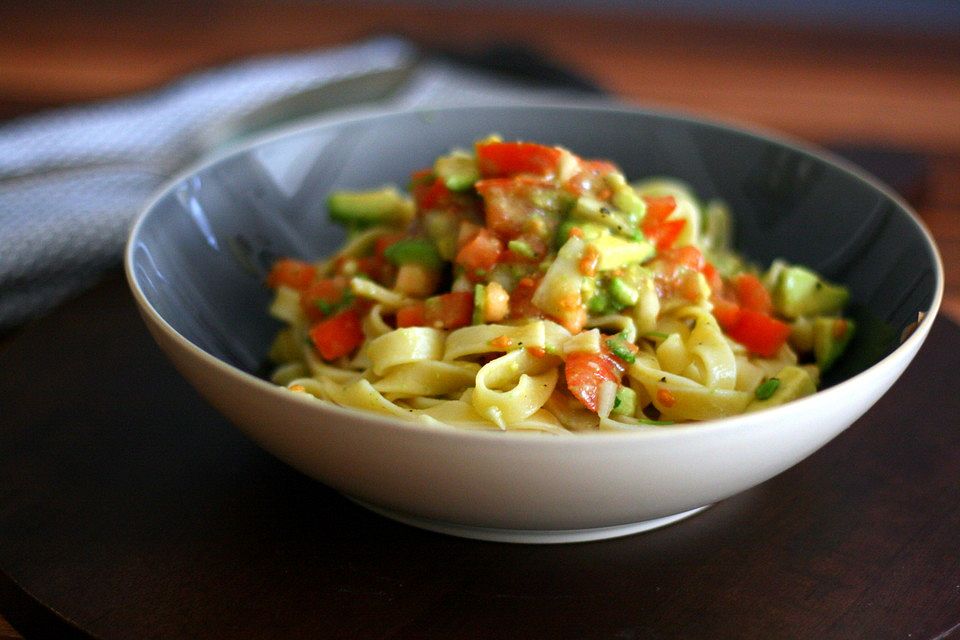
518 286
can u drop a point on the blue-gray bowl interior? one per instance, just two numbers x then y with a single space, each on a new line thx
201 251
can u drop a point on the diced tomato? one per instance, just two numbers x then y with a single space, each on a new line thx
666 398
337 336
376 268
428 190
289 272
840 327
590 261
676 272
713 278
658 230
326 292
449 311
521 299
585 372
759 332
432 194
413 315
659 207
590 179
481 252
726 312
751 294
508 203
505 159
688 256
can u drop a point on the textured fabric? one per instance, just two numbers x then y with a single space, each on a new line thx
72 180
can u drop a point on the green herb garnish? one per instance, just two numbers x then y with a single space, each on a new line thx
767 389
619 346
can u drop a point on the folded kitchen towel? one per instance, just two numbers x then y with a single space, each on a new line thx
73 179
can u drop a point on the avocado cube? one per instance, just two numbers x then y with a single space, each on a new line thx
801 292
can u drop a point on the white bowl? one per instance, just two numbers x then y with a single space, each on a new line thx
196 258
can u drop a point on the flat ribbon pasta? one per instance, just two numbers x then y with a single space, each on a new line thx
514 386
679 398
428 378
410 344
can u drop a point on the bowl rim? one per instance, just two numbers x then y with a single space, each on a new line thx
739 422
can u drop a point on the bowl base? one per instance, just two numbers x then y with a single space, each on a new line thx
529 536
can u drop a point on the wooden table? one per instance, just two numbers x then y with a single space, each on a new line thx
898 94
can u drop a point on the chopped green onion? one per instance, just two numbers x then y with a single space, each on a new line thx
655 422
767 389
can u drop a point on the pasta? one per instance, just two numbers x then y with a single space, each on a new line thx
519 286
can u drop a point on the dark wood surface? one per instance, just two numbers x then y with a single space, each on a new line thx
130 509
853 543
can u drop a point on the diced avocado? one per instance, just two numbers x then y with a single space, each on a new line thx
831 335
794 383
458 170
622 293
522 248
367 208
592 210
618 252
801 335
599 303
625 402
416 250
801 292
625 198
442 227
590 231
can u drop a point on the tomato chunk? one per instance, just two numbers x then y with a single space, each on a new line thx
726 312
413 315
590 179
658 230
337 336
322 297
751 293
521 299
505 159
290 272
759 332
449 311
585 372
510 209
481 252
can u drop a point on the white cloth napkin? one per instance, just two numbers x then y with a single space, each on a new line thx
72 180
